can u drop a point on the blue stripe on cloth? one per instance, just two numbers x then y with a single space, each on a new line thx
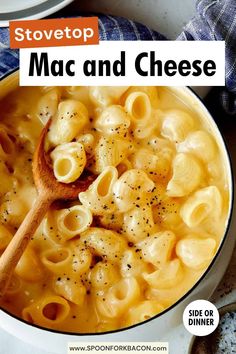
120 28
216 20
4 37
8 61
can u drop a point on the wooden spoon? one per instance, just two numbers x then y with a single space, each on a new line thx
49 190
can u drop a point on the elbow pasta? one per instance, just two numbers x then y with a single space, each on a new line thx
47 104
57 260
25 265
138 106
204 203
15 286
158 248
72 221
71 118
142 312
6 143
99 196
156 165
119 298
138 223
166 277
103 96
176 125
187 175
104 275
69 161
197 142
132 189
109 152
132 265
104 243
144 231
72 290
50 311
196 253
113 121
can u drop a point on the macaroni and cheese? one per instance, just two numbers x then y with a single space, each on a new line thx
145 230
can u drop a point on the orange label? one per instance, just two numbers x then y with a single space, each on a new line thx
54 32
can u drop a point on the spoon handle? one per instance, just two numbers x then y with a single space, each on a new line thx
20 240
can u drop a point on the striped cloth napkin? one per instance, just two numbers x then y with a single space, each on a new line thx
215 20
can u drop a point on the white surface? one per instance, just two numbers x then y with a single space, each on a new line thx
38 9
16 5
10 345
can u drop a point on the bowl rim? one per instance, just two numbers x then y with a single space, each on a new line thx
34 12
182 298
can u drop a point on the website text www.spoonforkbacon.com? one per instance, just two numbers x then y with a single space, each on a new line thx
119 347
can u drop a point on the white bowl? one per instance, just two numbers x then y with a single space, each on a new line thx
156 328
28 9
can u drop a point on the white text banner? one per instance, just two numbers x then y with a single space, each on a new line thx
118 63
